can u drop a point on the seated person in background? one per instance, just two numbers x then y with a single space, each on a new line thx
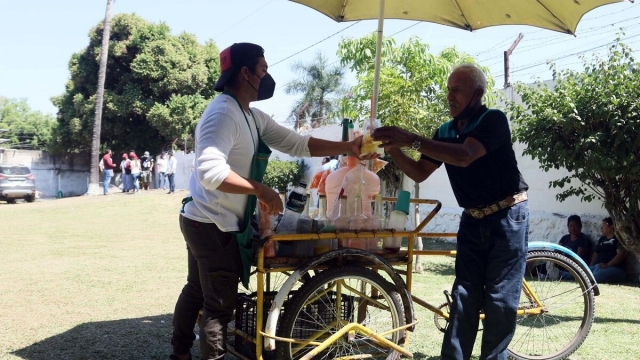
575 240
608 260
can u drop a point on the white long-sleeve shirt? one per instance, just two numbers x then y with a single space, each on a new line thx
224 144
172 165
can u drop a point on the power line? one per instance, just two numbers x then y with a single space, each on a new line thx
243 19
314 44
526 67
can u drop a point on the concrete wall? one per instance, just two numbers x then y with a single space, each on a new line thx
70 173
67 173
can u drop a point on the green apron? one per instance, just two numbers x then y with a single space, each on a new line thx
258 167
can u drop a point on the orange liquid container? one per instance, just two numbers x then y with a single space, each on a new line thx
368 185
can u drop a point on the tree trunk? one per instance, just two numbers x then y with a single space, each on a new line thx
94 188
626 221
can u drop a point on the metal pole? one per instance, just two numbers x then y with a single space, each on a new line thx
376 73
508 53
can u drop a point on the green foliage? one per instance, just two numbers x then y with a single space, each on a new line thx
281 173
23 127
589 124
413 85
413 81
157 85
320 86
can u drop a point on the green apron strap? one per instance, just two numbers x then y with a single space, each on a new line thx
258 167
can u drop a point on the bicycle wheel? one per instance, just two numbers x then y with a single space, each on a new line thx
334 298
568 307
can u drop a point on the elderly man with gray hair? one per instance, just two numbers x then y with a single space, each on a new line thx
475 146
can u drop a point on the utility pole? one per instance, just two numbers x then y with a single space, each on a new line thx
506 60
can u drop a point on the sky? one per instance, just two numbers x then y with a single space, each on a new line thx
38 37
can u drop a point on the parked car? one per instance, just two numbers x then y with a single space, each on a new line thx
17 182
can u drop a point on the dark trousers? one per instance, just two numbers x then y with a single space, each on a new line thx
490 266
214 267
172 182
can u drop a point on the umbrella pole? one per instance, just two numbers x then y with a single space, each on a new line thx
376 73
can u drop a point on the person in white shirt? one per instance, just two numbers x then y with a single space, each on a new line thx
221 185
161 168
172 165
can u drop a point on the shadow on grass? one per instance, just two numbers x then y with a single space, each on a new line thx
140 339
439 269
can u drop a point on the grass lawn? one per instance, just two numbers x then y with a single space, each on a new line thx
97 278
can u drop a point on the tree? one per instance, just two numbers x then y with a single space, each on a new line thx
413 86
319 81
588 124
95 140
23 127
156 86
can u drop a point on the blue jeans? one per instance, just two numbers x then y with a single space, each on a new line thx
108 174
162 180
490 266
134 180
612 274
172 182
126 182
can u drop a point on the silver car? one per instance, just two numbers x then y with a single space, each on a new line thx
17 182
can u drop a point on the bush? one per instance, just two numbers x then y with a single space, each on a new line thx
280 174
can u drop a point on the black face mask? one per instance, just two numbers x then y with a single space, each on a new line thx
467 111
266 88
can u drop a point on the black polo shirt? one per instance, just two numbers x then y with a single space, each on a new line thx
492 177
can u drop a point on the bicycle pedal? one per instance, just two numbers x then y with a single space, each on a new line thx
447 295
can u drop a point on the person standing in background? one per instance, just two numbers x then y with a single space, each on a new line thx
146 163
125 166
172 164
135 171
108 171
161 168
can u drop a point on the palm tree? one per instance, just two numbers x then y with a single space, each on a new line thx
317 84
95 144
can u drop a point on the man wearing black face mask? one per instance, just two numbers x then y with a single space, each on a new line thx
232 145
492 238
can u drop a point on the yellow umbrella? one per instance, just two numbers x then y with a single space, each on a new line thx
557 15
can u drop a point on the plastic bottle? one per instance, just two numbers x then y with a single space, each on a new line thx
298 197
376 222
358 221
322 224
366 179
397 221
345 131
293 208
305 222
351 130
341 222
303 248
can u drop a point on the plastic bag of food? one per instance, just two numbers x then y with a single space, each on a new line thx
267 223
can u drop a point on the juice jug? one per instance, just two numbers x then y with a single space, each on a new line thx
367 181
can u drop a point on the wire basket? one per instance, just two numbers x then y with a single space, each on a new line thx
322 309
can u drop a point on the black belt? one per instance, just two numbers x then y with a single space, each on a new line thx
507 202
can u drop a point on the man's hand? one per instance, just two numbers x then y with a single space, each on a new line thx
270 200
393 136
356 144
